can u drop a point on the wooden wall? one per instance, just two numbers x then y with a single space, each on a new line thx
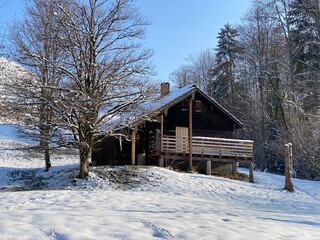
208 120
107 152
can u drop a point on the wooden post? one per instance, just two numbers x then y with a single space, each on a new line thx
208 167
234 167
288 168
133 146
251 172
161 133
161 162
190 167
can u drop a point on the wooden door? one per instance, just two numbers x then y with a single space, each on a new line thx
181 139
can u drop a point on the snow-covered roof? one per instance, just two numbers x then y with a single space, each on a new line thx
150 109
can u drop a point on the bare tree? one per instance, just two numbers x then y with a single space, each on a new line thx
104 69
182 76
279 69
261 41
2 32
37 49
196 71
202 64
303 20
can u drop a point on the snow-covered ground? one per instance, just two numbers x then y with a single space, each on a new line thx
145 203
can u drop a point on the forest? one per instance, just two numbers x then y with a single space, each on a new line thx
265 70
80 59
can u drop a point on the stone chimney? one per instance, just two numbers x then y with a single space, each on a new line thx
164 89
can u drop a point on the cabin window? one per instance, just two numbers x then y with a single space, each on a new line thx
197 106
184 106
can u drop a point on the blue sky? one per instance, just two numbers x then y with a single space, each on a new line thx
183 27
179 27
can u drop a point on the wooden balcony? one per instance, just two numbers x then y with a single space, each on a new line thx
204 148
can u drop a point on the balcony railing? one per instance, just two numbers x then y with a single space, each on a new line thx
208 146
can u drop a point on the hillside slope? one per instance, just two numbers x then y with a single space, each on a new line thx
145 203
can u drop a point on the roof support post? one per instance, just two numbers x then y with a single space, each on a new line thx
161 132
133 146
190 167
209 167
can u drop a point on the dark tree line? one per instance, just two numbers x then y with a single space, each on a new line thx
267 72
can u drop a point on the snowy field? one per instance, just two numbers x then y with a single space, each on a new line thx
144 203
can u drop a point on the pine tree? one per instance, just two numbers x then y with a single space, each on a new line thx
304 22
223 83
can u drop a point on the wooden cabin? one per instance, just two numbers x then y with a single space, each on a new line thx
184 128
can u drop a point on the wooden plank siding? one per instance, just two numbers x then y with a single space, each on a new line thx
205 118
209 147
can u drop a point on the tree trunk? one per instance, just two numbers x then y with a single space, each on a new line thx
251 172
85 151
47 157
44 140
84 161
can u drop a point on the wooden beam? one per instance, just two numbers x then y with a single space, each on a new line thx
133 146
161 132
205 158
208 167
251 172
190 167
288 168
161 162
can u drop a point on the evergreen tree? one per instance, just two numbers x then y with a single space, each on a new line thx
304 22
304 25
223 74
